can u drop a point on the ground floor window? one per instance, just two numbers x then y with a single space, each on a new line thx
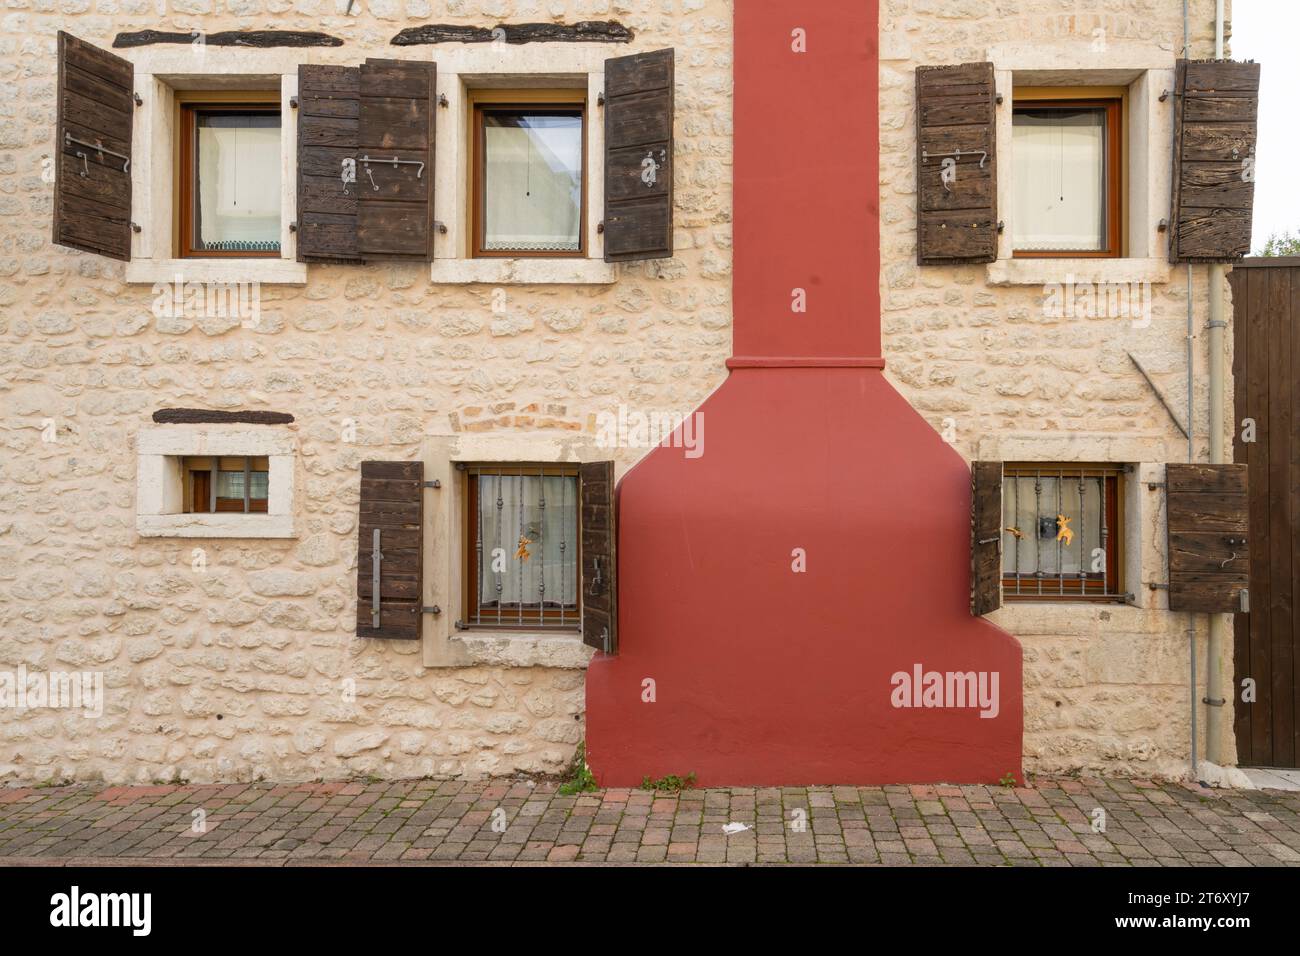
522 546
1062 534
226 484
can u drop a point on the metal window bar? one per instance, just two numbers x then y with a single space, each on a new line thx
1094 531
541 545
519 494
501 532
248 484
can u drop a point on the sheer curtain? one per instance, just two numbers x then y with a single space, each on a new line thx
1059 163
238 182
533 182
551 533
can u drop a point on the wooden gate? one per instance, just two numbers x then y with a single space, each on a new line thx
1266 367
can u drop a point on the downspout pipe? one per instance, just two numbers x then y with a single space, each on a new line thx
1193 682
1215 699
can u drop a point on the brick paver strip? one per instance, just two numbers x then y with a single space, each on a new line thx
420 822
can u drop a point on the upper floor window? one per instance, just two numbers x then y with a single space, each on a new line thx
1067 174
529 177
228 179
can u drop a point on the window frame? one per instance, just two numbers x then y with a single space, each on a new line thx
480 101
1115 101
188 105
1116 531
470 524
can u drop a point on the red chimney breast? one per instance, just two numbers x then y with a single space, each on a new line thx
793 599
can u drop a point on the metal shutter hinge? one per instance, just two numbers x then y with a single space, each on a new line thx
1243 600
431 610
1001 226
376 557
293 227
600 227
1213 701
442 100
431 484
600 99
1158 587
999 99
1162 225
135 227
1153 485
293 102
440 226
138 101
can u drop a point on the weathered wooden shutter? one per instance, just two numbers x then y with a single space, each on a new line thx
1208 519
639 156
391 506
328 103
1214 160
599 556
92 175
957 201
395 220
985 536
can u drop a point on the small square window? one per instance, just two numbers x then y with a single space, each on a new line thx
1062 532
522 547
529 178
1066 156
229 179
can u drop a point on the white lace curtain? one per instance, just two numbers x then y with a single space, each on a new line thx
1058 159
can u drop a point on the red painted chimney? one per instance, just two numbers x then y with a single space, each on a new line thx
764 674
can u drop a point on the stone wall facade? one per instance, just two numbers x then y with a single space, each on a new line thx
245 665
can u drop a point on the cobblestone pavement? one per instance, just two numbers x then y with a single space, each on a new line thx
1049 823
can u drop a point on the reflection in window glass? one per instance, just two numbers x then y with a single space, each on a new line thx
532 181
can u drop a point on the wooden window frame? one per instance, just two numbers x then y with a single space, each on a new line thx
508 619
1115 101
188 106
1090 590
485 101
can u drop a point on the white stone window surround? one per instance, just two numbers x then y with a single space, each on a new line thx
444 531
162 70
1147 70
463 67
160 506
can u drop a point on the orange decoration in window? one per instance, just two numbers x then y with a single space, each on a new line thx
1063 529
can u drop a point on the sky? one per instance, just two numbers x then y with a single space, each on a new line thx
1267 31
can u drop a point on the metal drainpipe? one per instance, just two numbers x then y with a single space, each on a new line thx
1191 616
1214 698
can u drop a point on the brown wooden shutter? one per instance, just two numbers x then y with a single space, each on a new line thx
599 556
392 504
985 536
92 176
639 156
1209 562
956 118
328 103
1214 156
395 221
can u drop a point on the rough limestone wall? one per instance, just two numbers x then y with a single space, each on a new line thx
1106 688
237 673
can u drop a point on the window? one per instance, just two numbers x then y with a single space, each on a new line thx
1066 165
528 174
226 485
522 546
229 177
1063 527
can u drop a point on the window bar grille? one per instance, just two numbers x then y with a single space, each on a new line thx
1015 485
478 550
214 474
1038 538
564 571
519 490
248 484
1082 528
1105 534
501 536
1060 547
541 547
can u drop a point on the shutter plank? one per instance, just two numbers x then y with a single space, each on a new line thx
1208 525
639 114
328 105
1215 118
599 556
985 537
92 212
956 111
391 501
396 121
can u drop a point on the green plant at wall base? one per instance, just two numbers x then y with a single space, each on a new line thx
1008 779
580 778
671 783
